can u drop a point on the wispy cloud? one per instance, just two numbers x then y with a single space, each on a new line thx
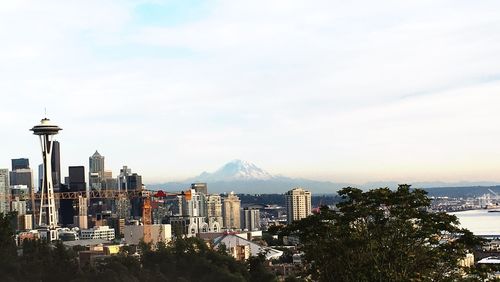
352 91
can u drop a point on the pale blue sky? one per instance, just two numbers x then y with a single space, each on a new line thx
349 91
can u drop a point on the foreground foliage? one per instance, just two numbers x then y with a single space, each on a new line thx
383 235
183 260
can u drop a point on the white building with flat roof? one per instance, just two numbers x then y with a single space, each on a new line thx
98 232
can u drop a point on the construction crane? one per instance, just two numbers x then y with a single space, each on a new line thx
496 196
146 219
147 209
103 194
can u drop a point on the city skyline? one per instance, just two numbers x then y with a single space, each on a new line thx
346 92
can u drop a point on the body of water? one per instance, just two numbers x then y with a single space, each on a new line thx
480 222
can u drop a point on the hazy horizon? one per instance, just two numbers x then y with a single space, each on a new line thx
341 91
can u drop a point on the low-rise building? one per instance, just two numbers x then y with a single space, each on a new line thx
239 247
133 234
98 232
191 226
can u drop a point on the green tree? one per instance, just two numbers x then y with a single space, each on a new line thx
190 259
383 235
9 268
258 271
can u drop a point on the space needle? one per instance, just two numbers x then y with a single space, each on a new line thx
46 130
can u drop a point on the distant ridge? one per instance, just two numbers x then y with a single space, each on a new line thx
462 191
245 177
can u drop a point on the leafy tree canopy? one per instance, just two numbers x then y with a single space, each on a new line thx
383 235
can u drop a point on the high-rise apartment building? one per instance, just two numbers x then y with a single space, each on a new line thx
231 211
298 204
214 211
251 219
214 206
192 204
4 191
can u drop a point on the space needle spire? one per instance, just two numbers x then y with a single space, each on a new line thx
46 130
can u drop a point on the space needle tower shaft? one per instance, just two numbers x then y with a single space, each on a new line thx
45 130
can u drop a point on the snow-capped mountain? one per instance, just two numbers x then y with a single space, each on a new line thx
235 170
245 177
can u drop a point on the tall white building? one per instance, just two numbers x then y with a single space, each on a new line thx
4 191
193 204
298 204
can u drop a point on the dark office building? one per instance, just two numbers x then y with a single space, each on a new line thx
134 182
75 183
200 188
40 177
22 176
56 165
66 208
20 164
77 179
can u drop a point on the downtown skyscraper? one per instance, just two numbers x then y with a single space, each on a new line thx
96 172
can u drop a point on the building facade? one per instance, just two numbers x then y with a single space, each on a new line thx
4 191
21 176
98 232
200 188
77 179
122 178
251 219
20 163
231 211
56 165
96 171
214 209
133 234
298 204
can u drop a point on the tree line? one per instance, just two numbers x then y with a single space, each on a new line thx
376 235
